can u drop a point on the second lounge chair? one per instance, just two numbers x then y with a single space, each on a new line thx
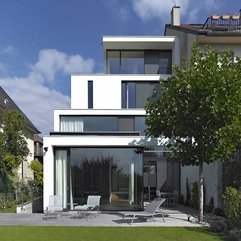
151 210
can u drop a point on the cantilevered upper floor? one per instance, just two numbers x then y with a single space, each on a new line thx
140 54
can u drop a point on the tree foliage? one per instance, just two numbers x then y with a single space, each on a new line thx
231 171
37 169
232 205
13 144
199 110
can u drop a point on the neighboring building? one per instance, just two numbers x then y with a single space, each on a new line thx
38 148
99 145
7 103
222 32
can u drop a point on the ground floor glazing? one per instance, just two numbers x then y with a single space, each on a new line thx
125 177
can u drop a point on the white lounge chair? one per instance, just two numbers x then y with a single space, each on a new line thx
151 210
93 204
55 207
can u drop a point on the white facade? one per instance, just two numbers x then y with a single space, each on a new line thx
107 97
105 88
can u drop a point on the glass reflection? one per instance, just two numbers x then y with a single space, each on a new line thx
132 62
113 173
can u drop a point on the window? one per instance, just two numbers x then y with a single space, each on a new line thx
139 62
113 173
113 62
126 123
90 94
128 95
151 62
71 124
132 62
165 62
140 124
135 94
102 124
88 123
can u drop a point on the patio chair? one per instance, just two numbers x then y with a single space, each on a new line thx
93 204
55 207
151 210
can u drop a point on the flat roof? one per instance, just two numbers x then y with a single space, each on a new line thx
138 42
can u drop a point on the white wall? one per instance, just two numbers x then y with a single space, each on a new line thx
212 181
106 89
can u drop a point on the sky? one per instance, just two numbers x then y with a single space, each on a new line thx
43 42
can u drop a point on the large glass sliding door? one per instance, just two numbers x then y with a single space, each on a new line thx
113 173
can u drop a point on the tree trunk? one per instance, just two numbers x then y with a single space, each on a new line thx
200 191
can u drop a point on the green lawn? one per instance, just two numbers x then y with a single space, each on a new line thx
24 233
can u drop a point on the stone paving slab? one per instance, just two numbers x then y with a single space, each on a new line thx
103 219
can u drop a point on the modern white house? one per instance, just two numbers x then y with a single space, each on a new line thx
99 145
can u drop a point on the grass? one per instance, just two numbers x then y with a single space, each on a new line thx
23 233
9 210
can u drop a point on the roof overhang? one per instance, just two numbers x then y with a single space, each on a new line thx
138 42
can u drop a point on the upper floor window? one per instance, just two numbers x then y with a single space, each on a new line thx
132 62
139 62
87 123
165 62
102 124
135 94
90 94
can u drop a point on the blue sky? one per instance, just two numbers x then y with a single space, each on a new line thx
43 42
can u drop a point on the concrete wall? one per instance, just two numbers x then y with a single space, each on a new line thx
212 181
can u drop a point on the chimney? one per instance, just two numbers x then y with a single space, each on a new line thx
175 16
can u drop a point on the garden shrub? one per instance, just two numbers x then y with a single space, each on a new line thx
235 234
6 201
232 206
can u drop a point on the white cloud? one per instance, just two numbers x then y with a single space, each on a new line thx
9 50
51 62
147 9
32 94
3 68
160 9
119 9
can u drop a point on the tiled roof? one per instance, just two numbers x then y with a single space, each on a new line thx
210 27
7 103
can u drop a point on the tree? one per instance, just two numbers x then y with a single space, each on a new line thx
13 144
199 111
37 169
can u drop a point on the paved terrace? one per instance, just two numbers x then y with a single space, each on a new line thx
173 218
